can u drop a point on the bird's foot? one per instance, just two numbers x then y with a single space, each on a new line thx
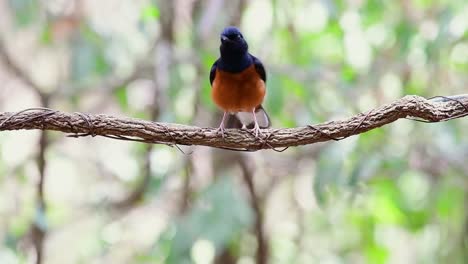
220 129
221 125
257 131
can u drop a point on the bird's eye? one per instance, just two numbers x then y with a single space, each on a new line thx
239 36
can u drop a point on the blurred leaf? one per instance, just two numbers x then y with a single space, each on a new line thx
385 203
293 87
348 74
405 31
328 46
370 141
162 248
26 11
88 58
417 220
327 172
365 168
414 190
46 35
331 172
154 185
391 207
150 13
424 3
376 254
373 11
219 215
329 49
20 224
275 96
121 95
450 201
207 59
10 240
415 86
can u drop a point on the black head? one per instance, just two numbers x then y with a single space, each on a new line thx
233 43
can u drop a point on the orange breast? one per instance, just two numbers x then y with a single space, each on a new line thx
238 92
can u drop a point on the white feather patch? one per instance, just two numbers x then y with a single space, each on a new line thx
246 118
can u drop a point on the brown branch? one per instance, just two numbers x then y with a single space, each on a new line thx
80 124
158 100
257 206
38 227
18 71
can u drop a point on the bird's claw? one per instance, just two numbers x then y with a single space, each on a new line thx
256 130
220 128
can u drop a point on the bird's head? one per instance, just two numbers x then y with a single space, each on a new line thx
232 42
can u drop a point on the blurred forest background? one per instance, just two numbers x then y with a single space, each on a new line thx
397 194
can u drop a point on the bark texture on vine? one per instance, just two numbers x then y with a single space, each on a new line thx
437 109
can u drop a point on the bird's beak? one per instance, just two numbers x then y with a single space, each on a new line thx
224 38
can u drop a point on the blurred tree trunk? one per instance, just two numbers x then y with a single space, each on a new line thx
161 76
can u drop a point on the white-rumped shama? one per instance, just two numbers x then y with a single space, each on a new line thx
238 80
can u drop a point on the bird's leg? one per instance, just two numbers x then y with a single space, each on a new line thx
256 128
221 126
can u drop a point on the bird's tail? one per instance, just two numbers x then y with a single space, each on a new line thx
240 119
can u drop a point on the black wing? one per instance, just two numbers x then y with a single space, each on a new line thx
213 71
259 67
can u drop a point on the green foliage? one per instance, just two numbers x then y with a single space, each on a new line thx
449 199
207 60
88 57
219 215
121 95
275 98
25 11
46 35
150 13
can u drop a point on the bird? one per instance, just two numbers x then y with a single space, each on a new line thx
238 81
